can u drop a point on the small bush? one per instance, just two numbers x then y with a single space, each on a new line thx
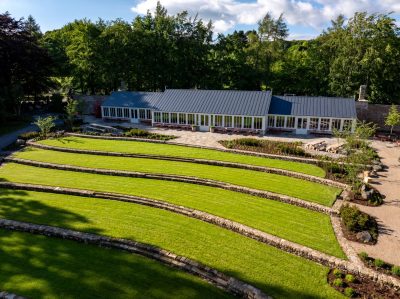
249 142
356 221
379 263
376 199
76 129
338 282
147 135
396 270
350 278
29 135
349 292
337 273
363 256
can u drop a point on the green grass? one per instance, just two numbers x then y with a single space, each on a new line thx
39 267
306 190
296 224
279 274
180 151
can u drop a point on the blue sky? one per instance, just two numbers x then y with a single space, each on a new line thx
306 18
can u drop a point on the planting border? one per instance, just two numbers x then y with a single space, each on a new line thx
219 279
184 179
278 171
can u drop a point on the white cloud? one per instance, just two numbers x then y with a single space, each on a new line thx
226 14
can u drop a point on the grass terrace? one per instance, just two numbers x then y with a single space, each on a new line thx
297 224
137 147
38 267
306 190
279 274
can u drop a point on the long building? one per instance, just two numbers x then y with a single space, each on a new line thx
231 110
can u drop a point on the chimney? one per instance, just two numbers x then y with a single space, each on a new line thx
362 93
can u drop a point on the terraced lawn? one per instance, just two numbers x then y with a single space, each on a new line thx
297 224
279 274
306 190
137 147
38 267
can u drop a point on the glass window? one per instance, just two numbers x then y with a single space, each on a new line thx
119 112
237 121
228 121
182 118
280 121
134 113
106 112
174 118
313 123
290 122
336 124
347 124
112 112
302 123
257 123
191 119
247 122
271 121
165 117
148 111
203 120
157 117
324 124
142 113
218 120
126 112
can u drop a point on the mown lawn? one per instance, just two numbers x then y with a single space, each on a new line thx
180 151
279 274
38 267
306 190
296 224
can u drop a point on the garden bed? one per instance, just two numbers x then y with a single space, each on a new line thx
359 287
379 265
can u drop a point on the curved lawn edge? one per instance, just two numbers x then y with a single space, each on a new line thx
278 171
219 279
247 231
184 179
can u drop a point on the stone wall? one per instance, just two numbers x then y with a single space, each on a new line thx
375 113
213 276
90 102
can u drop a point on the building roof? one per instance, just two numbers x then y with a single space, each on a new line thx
134 99
313 106
229 102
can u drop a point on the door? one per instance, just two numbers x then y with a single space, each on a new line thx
301 127
204 122
134 116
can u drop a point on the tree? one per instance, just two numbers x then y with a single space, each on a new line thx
71 110
393 118
45 125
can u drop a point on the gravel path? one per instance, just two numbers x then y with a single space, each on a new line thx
387 215
9 138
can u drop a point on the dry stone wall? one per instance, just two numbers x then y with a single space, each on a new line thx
213 276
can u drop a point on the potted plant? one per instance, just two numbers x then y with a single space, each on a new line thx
194 128
212 129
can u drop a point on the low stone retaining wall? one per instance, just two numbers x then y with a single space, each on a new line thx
184 179
350 266
213 276
278 171
5 295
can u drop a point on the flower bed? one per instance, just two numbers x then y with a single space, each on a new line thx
379 265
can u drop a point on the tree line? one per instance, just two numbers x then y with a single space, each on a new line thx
159 51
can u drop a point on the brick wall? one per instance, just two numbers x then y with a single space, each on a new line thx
375 113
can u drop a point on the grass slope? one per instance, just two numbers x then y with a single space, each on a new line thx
180 151
280 274
39 267
253 179
300 225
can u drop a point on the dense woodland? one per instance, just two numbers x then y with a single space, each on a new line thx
158 51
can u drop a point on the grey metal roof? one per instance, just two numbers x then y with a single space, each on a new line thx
230 102
134 99
313 106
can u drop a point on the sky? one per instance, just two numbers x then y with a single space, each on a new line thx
305 18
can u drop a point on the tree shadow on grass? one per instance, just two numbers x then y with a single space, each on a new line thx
67 140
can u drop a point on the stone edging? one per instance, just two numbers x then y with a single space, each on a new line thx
219 279
260 236
5 295
184 179
277 171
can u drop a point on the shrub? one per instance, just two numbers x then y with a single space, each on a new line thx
350 278
376 199
338 282
76 129
337 273
356 221
396 270
249 142
29 135
379 263
349 292
363 256
145 134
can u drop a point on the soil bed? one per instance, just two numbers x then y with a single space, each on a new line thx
349 235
